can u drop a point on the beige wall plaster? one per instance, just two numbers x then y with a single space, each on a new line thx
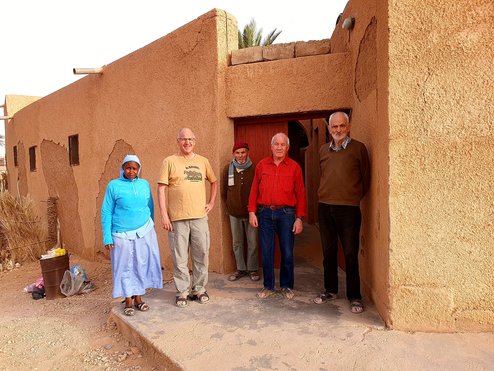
441 174
61 184
316 83
112 171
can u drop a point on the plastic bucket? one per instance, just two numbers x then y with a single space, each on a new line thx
52 270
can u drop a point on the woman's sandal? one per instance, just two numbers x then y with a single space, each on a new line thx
181 302
356 306
129 311
201 298
143 307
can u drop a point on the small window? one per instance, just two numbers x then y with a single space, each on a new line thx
15 157
74 150
32 158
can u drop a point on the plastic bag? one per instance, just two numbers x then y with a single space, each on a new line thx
38 293
36 289
71 283
87 287
79 271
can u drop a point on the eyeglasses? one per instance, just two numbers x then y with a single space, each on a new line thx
187 139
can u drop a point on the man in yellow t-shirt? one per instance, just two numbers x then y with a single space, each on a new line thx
184 215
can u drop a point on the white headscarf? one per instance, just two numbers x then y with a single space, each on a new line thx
128 158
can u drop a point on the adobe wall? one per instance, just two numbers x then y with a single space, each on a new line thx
137 105
17 178
441 58
366 43
294 85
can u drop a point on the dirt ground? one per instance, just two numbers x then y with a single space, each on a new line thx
72 333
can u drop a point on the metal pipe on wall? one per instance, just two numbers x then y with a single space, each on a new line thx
87 71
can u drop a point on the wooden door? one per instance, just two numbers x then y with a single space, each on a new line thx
258 135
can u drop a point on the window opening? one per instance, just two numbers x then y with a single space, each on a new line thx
74 149
32 158
15 157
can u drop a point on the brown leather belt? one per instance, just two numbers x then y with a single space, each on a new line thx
274 207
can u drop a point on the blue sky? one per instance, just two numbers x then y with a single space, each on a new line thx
43 40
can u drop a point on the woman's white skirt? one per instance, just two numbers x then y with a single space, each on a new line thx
136 265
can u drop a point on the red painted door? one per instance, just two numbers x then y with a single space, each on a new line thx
258 135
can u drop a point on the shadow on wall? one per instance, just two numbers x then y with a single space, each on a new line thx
111 171
366 68
60 180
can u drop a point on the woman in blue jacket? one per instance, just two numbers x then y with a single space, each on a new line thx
127 218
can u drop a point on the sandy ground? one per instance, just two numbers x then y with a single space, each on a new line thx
72 333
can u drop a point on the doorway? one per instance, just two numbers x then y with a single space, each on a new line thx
303 133
307 132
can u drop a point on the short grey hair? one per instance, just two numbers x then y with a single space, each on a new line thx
280 134
180 132
343 113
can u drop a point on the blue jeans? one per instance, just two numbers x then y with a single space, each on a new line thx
279 222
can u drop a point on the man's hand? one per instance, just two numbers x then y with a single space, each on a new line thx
209 207
166 222
298 226
253 219
214 190
109 246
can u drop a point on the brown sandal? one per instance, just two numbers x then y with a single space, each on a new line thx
356 306
254 276
324 297
143 307
201 298
237 275
180 302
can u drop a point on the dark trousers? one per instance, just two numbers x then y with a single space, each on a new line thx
340 222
